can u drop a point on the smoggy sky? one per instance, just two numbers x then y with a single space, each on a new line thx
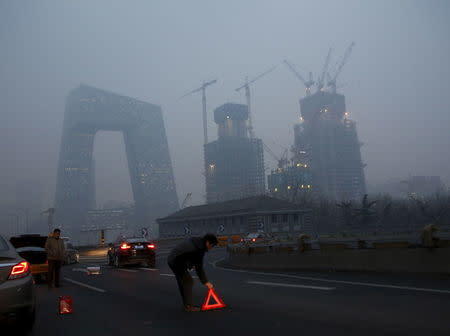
397 92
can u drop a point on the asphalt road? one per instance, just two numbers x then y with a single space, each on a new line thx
138 301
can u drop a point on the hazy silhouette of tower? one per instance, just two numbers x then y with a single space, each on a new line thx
89 110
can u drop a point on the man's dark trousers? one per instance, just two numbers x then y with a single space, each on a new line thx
54 269
185 283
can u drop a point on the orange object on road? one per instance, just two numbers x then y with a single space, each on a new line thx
65 305
212 294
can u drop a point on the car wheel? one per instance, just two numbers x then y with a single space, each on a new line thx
151 263
117 262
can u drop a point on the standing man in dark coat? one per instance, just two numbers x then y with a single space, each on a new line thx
56 253
185 256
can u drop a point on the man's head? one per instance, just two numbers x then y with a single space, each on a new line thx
211 240
56 233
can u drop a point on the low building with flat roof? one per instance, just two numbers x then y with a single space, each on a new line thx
237 217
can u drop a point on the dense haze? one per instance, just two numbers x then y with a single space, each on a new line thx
397 92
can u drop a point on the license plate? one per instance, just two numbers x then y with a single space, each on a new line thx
139 247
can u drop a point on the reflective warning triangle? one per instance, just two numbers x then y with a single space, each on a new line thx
212 294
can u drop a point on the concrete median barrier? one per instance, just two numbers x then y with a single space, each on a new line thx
416 260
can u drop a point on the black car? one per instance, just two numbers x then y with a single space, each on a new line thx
128 251
17 291
72 254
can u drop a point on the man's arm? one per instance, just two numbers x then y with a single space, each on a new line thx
201 272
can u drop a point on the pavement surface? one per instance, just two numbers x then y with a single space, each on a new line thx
138 300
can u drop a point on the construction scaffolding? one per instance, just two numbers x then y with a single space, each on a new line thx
234 163
327 141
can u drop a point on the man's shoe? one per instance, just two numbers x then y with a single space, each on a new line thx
190 308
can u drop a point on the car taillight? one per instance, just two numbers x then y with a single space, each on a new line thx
253 239
125 247
20 270
151 246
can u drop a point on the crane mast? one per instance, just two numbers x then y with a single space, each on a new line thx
332 80
203 90
248 98
320 83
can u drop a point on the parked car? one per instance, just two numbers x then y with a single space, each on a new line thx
132 251
17 291
257 237
31 247
72 254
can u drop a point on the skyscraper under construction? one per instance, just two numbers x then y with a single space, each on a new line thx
327 141
234 163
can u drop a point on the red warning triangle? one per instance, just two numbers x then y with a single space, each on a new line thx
212 294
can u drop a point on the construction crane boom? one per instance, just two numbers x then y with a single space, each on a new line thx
247 95
332 80
320 83
186 200
203 90
307 83
281 163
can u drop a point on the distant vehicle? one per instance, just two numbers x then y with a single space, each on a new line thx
72 254
31 247
17 291
132 251
257 237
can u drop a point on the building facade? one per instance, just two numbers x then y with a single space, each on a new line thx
291 182
234 163
89 110
238 217
327 141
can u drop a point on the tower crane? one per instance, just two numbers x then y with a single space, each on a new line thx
247 95
202 89
320 82
332 80
308 83
186 200
281 163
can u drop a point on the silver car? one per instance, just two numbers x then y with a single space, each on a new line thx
17 292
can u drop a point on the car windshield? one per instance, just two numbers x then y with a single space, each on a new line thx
3 244
253 235
135 240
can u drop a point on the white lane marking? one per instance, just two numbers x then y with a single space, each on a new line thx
148 269
127 270
277 284
356 283
172 275
85 285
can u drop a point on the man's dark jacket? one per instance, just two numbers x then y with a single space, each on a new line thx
188 254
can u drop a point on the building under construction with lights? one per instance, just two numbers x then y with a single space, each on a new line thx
234 163
327 141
